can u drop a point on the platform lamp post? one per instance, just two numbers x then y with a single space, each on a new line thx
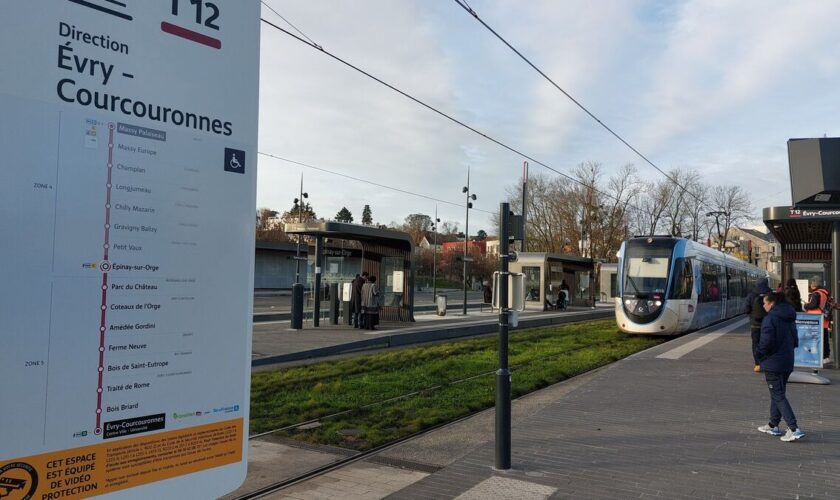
297 288
434 256
299 206
716 214
470 199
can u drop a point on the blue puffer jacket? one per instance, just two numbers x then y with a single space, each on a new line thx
778 339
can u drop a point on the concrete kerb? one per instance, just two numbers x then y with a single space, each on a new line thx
286 316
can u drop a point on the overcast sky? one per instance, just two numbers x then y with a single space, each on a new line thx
716 86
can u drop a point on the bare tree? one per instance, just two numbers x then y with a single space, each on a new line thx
417 225
697 205
735 205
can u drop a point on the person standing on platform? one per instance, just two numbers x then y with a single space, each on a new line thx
356 302
564 287
370 304
756 312
792 295
818 300
775 352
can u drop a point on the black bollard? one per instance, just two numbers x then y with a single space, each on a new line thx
333 311
297 306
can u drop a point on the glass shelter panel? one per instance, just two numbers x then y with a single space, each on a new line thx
391 281
532 283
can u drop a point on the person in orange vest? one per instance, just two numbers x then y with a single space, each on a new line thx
818 300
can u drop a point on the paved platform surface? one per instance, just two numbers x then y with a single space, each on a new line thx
656 427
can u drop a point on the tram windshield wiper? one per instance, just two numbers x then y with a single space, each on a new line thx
633 283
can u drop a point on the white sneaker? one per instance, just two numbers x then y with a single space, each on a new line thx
773 431
791 435
826 361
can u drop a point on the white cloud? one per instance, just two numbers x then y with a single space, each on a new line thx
721 57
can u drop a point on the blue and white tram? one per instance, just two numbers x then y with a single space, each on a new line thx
669 286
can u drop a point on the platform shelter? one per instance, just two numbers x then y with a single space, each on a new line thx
810 245
384 253
544 273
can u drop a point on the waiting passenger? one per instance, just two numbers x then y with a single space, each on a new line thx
370 303
775 352
792 295
756 312
819 303
566 295
356 300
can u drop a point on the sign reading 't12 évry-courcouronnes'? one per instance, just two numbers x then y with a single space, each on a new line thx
127 191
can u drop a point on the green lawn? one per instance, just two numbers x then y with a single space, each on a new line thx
431 384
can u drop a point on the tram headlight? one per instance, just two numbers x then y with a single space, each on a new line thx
657 303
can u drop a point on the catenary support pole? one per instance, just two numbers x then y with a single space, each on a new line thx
524 205
835 290
503 380
316 289
466 239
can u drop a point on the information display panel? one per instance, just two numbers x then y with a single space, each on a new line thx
809 354
127 194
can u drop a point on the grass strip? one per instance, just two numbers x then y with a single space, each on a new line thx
424 386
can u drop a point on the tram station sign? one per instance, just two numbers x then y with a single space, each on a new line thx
127 191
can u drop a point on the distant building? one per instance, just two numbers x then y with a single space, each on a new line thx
754 246
427 242
274 264
492 246
458 246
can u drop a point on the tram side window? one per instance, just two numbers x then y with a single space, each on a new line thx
683 281
710 284
733 281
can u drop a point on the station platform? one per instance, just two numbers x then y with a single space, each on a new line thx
676 421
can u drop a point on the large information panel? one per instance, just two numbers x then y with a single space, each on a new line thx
809 327
127 191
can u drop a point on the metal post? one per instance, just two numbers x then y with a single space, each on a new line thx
434 258
333 304
319 258
524 200
297 306
466 239
300 219
297 288
835 289
503 380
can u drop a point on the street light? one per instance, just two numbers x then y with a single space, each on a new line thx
434 256
466 189
716 214
299 206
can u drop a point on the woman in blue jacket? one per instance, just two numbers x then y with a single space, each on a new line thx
775 353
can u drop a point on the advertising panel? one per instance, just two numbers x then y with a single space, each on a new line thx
809 354
127 197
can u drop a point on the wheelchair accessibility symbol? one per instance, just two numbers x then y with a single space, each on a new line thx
234 160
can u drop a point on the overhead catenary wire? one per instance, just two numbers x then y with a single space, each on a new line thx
441 113
359 179
472 12
269 7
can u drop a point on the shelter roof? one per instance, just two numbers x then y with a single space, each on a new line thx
358 232
794 225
